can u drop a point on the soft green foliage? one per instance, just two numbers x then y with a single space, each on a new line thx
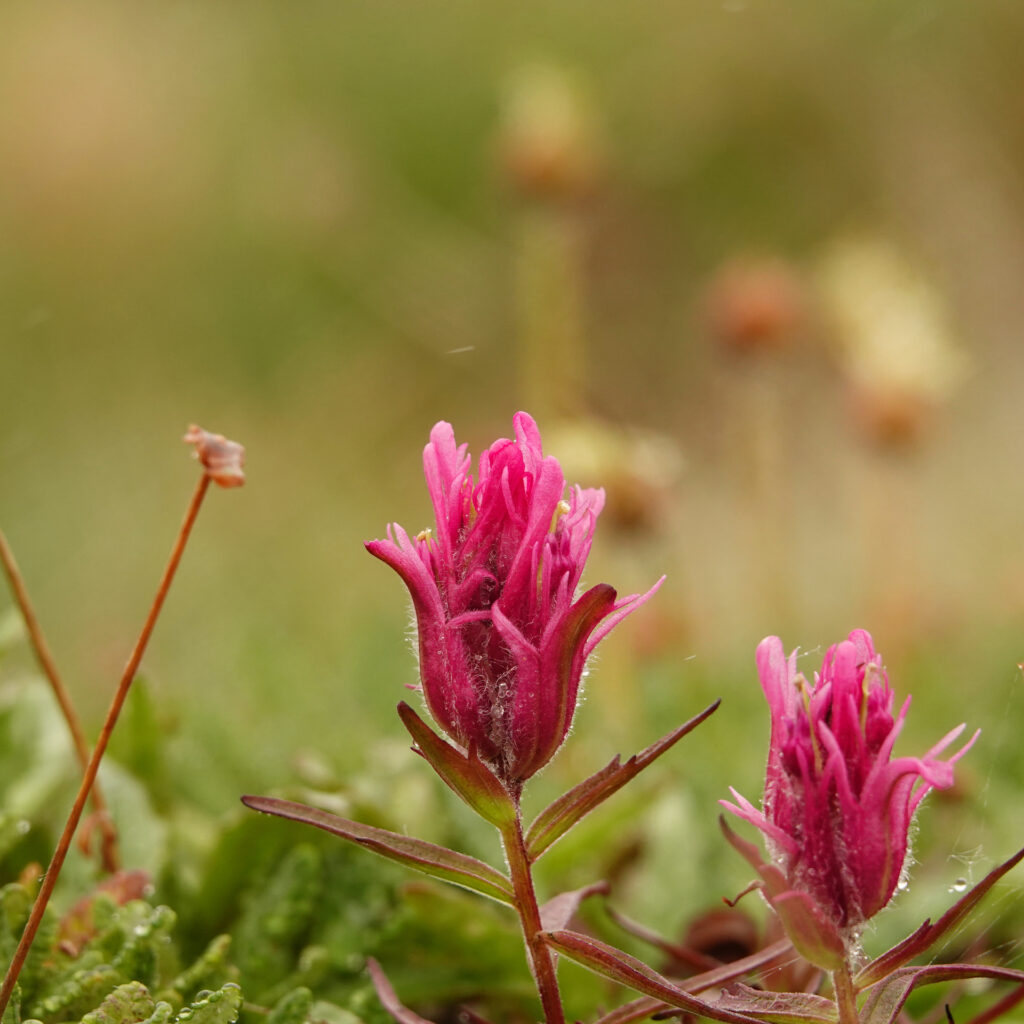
275 918
119 969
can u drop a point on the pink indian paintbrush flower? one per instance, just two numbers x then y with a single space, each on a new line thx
503 638
837 804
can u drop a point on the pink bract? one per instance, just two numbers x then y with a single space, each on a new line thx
503 638
837 805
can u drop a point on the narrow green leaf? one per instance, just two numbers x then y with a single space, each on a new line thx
886 998
613 963
437 861
554 821
466 774
928 934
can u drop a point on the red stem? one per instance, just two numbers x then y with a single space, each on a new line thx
541 958
108 848
846 995
57 861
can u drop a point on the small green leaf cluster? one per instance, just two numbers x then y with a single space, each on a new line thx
120 966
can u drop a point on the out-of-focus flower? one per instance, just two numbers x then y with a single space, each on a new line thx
837 805
897 345
755 305
502 637
639 469
222 459
549 144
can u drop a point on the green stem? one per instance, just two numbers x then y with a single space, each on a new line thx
541 958
846 995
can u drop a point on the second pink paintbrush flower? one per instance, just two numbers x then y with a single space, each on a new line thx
837 804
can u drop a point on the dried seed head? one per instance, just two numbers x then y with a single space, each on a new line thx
222 459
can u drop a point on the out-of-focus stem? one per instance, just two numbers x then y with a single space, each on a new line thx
542 960
108 847
846 995
551 311
57 861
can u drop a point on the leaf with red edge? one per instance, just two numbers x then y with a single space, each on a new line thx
684 954
886 998
815 937
555 820
638 1009
613 963
388 998
928 934
465 774
437 861
467 1015
780 1007
558 910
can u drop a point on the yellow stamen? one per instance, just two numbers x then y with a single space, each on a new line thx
870 671
561 509
805 692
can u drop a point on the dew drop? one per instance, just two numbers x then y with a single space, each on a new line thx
960 885
903 885
23 826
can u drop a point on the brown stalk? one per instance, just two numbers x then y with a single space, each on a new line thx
57 861
108 841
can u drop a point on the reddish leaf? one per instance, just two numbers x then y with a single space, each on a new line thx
886 998
692 958
627 970
638 1009
928 934
433 860
558 910
387 997
1000 1008
814 936
467 1015
780 1007
554 821
78 925
466 774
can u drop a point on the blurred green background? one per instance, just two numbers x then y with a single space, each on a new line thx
755 267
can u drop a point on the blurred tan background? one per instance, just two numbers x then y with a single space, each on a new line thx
755 267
